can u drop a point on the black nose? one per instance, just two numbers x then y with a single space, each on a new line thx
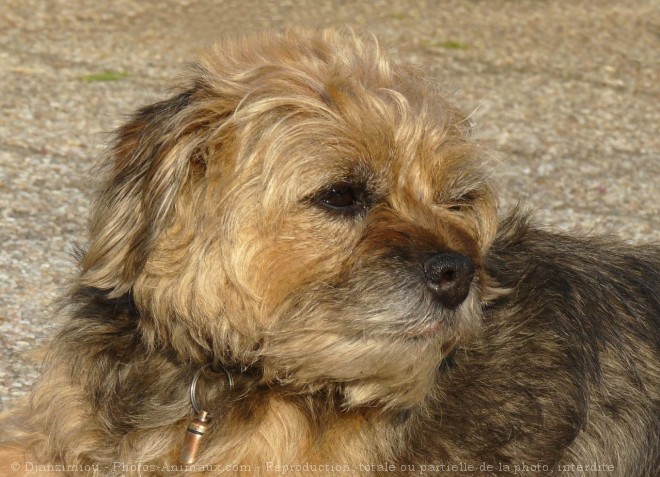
449 275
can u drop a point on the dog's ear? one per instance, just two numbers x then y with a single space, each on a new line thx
150 160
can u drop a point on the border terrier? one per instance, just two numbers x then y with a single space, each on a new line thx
295 266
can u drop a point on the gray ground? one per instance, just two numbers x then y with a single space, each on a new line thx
568 90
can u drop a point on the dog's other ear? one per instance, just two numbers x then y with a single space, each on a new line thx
150 160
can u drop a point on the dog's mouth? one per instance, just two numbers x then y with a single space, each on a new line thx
436 298
434 320
408 312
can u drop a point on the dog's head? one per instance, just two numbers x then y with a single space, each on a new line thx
304 203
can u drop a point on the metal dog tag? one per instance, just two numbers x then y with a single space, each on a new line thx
194 434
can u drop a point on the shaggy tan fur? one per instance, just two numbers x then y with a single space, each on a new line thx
277 217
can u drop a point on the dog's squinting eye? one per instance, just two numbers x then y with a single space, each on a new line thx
462 203
457 207
344 198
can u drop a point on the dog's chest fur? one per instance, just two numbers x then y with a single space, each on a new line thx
285 438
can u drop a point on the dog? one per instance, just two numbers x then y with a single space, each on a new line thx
295 266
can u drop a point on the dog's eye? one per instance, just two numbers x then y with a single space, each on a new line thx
344 198
342 195
461 203
457 207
